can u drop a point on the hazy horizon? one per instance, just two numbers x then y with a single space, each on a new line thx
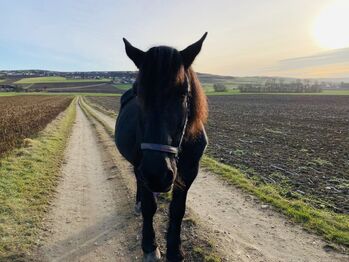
198 72
252 38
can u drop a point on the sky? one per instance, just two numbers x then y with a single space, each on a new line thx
291 38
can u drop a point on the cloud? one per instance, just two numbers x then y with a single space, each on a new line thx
332 57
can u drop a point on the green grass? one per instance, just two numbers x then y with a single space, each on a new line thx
57 79
8 93
332 226
205 256
207 87
123 86
2 80
28 177
335 92
226 93
237 92
55 94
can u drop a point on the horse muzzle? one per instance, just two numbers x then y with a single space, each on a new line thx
160 182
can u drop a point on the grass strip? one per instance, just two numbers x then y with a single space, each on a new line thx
28 178
87 110
232 92
332 226
100 108
55 94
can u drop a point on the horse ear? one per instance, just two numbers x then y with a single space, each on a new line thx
189 54
135 54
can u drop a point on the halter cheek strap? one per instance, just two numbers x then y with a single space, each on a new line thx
168 148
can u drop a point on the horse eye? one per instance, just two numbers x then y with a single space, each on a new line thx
182 96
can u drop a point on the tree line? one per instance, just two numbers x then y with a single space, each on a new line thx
280 86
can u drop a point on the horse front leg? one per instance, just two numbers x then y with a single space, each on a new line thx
149 245
138 204
177 211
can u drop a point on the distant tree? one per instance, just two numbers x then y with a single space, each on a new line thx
219 87
18 88
344 85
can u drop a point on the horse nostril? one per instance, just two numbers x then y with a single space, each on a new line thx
169 177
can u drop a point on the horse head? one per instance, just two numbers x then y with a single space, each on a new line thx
167 109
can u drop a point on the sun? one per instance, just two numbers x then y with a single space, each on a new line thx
331 28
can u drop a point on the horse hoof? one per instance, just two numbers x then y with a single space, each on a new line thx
177 256
175 260
138 208
153 256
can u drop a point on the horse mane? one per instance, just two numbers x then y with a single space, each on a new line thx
198 106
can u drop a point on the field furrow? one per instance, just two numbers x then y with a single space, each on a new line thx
23 116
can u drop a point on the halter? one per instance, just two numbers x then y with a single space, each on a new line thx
168 148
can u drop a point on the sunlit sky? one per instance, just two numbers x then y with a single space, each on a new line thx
297 38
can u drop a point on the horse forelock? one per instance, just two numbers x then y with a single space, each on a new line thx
160 69
163 69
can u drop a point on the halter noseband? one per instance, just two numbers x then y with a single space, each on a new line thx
168 148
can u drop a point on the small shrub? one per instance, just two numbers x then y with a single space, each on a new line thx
219 87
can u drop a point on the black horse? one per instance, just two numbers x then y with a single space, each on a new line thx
160 131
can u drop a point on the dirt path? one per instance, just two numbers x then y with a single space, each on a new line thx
91 216
246 229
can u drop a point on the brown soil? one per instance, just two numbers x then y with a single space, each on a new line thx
298 142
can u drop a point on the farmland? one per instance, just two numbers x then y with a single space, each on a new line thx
29 174
109 103
116 82
86 87
298 143
56 79
237 124
23 116
59 84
